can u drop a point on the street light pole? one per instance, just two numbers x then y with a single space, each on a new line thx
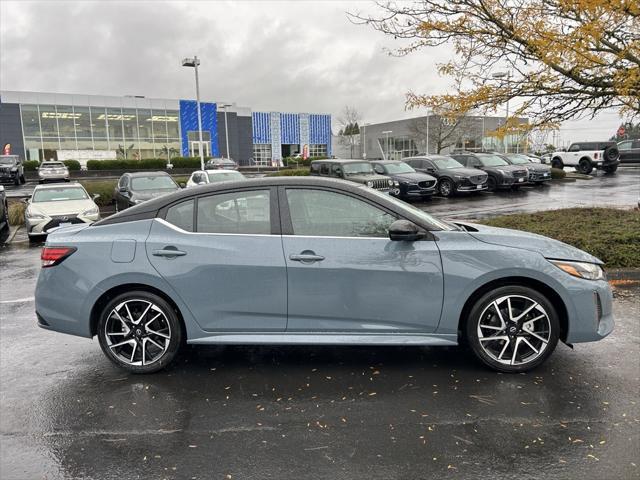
226 128
506 75
386 133
194 62
364 140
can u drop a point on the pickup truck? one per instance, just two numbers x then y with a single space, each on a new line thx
587 156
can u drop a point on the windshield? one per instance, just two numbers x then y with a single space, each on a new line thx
52 165
437 223
399 167
224 176
59 194
359 168
518 159
157 182
7 161
492 161
446 162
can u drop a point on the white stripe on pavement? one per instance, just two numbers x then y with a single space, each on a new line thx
18 300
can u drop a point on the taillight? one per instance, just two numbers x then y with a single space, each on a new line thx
52 256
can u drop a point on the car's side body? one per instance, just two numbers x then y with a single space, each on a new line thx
255 288
461 179
4 215
587 156
411 184
629 151
126 195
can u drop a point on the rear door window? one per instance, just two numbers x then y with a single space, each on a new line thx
181 215
245 212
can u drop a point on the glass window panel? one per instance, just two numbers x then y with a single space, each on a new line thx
173 127
144 124
262 154
32 145
99 122
68 144
159 124
48 120
85 144
321 213
146 148
83 122
66 121
30 121
238 212
130 123
101 144
181 215
114 120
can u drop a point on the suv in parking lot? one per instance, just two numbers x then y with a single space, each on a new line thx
358 171
585 156
412 184
452 176
11 169
501 174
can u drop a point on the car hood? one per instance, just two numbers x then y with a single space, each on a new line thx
539 167
144 195
465 172
67 207
509 168
412 177
547 247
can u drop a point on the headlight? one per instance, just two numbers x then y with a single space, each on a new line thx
91 211
369 183
588 271
390 182
33 215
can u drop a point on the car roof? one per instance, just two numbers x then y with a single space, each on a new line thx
339 160
150 208
146 174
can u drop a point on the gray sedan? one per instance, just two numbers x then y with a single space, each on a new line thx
314 261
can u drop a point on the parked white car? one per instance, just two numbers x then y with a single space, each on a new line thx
204 177
586 156
52 206
53 171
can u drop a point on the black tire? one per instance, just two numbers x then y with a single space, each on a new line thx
4 225
515 187
176 332
484 303
492 184
446 187
16 181
610 169
22 179
584 166
611 153
557 163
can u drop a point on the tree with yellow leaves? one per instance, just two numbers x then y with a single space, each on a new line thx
559 59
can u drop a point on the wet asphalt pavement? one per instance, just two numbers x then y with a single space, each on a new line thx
310 412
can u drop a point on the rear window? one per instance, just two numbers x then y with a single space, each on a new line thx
52 165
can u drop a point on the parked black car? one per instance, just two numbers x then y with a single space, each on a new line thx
359 171
629 151
411 184
220 164
501 174
4 216
538 173
11 169
135 188
452 176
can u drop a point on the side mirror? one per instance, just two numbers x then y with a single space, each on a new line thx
404 230
96 196
202 183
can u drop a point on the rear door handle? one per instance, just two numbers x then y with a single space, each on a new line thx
305 257
169 252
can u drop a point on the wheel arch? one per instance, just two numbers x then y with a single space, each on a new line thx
541 287
106 297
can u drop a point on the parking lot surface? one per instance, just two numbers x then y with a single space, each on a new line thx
310 412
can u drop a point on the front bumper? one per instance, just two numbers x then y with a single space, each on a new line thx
594 312
416 191
8 176
42 226
539 177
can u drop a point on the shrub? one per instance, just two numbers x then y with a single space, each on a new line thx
72 164
31 165
292 162
290 172
16 213
186 162
104 188
558 173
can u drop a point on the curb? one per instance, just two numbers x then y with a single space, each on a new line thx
624 274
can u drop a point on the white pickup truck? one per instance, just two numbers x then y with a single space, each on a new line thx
585 156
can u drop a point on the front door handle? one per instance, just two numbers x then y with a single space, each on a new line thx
306 257
168 252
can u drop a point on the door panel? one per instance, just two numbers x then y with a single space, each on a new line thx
344 274
230 281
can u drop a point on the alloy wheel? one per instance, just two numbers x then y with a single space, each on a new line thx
514 330
137 332
445 188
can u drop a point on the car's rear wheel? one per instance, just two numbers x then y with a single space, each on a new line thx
557 163
139 332
445 187
512 329
584 166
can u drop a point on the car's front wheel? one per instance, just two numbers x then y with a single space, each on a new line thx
446 187
512 329
139 332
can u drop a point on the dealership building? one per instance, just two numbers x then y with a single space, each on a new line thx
39 126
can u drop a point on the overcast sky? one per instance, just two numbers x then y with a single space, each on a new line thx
280 56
